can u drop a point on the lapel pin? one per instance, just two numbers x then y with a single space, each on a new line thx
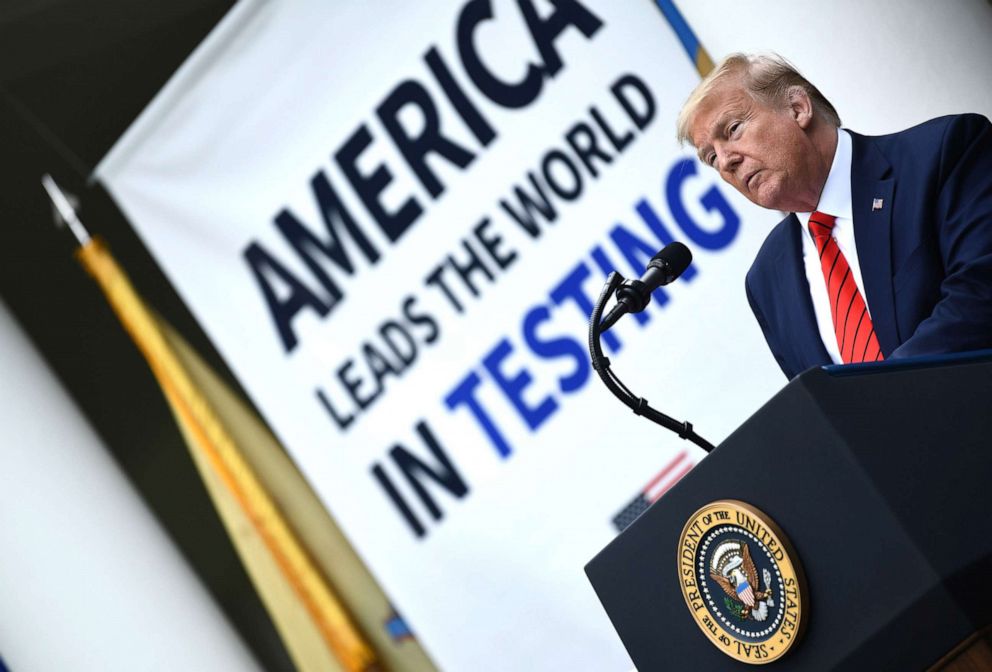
876 204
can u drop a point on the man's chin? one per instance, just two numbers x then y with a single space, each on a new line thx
761 202
765 195
768 197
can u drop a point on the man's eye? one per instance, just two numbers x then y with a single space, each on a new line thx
710 159
733 127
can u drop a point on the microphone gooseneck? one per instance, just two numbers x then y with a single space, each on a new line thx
663 268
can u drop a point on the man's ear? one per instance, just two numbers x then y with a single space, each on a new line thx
800 106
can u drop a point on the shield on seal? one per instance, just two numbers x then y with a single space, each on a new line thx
745 593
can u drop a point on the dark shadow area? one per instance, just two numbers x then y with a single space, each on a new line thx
74 75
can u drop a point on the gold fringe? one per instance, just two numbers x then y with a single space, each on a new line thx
209 436
306 515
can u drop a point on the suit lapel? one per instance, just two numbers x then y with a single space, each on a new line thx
794 288
871 181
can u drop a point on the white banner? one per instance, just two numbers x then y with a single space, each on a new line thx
392 218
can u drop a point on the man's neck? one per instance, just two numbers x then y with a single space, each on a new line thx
825 145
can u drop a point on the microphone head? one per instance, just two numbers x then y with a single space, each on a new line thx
673 259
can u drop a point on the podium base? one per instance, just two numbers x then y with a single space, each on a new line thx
879 474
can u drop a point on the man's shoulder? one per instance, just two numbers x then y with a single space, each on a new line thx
930 136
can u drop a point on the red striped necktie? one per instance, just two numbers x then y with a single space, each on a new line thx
852 324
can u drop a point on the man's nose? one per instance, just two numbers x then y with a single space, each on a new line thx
728 161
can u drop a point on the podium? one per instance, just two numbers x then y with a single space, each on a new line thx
880 475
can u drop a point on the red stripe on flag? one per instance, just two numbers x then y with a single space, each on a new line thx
675 479
664 472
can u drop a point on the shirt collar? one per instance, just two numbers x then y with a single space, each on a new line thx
835 199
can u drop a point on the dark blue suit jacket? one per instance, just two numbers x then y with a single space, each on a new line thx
925 256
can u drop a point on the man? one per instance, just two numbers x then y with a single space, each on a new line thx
888 250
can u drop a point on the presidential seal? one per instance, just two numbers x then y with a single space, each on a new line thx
742 581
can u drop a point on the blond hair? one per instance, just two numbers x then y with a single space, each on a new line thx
765 77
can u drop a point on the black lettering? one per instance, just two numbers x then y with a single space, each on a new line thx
342 423
473 266
619 142
398 501
434 278
443 472
492 244
621 90
469 113
353 384
569 193
305 243
405 348
369 187
502 93
380 367
420 319
582 140
528 205
546 31
415 148
265 268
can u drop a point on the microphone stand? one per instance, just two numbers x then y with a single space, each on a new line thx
601 363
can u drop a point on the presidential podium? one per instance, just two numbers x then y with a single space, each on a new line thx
880 475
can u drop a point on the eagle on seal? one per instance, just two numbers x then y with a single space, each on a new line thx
734 571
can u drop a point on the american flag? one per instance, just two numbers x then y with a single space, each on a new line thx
669 475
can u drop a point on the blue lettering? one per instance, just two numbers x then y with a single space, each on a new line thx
636 250
514 387
557 347
711 200
465 394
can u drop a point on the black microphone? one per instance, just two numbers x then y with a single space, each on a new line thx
633 296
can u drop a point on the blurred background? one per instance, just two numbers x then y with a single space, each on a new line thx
74 75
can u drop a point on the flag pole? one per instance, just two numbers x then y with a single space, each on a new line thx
211 440
67 214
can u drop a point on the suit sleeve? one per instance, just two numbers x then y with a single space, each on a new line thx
962 317
789 373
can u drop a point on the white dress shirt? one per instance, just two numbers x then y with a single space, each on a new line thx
834 200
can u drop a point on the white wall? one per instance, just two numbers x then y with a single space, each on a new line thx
88 580
885 64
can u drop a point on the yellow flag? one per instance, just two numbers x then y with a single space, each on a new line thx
302 604
303 640
315 528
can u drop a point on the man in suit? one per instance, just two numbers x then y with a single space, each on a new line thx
888 250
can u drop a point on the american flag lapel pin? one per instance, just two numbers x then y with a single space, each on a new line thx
876 204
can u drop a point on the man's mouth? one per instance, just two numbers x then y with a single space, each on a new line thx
749 180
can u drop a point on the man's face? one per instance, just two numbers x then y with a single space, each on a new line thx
764 152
